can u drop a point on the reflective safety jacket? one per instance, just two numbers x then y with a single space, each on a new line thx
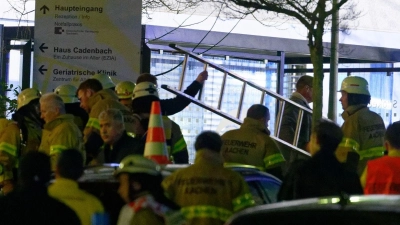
383 176
145 210
100 101
12 146
207 192
83 203
177 147
363 132
251 145
61 134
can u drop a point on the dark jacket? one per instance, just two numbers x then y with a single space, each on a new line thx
35 206
168 106
125 146
322 175
80 115
289 121
174 105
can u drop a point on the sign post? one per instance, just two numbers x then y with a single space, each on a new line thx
76 39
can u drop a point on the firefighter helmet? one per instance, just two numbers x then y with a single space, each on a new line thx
125 89
67 92
27 96
355 85
105 80
145 89
138 164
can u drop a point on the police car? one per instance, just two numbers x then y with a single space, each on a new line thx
354 210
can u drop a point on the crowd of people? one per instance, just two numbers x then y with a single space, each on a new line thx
99 122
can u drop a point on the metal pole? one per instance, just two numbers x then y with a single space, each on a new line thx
334 64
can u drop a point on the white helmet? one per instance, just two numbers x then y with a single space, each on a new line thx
125 89
355 85
138 164
105 80
145 89
27 96
67 92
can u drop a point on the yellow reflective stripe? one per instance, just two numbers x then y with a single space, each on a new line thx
179 146
56 149
231 164
93 122
242 202
372 152
273 159
9 148
130 134
350 143
206 211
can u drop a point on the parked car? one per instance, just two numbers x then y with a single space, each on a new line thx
100 182
353 210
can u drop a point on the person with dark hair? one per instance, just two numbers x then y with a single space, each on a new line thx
251 143
140 187
172 105
207 192
94 99
303 97
29 203
19 136
323 174
382 175
65 187
363 129
60 131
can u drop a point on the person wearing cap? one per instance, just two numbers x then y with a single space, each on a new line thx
140 187
105 81
207 192
146 93
94 99
59 131
21 135
65 187
303 97
251 143
172 105
30 203
117 143
363 129
382 175
124 91
67 92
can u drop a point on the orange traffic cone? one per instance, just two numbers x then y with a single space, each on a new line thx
156 148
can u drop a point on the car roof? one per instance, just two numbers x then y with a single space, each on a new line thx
325 207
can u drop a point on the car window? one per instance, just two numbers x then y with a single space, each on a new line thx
264 189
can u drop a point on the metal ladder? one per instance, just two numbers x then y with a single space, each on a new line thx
263 92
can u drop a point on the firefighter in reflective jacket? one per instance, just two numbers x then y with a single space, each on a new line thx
60 132
207 192
67 92
124 91
94 99
382 175
251 144
363 129
21 135
146 92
